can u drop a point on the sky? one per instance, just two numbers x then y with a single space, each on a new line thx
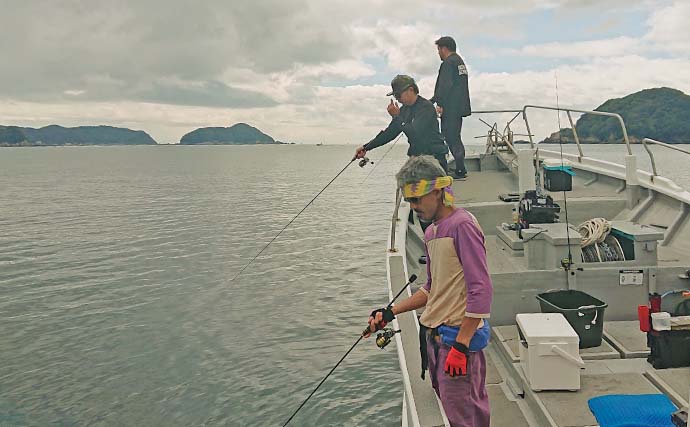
311 71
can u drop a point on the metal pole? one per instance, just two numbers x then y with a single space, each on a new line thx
577 140
394 220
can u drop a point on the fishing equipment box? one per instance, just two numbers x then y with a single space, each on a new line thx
670 344
536 209
558 176
669 349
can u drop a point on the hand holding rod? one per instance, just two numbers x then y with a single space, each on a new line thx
412 278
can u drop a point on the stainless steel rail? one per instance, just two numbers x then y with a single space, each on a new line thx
573 110
648 141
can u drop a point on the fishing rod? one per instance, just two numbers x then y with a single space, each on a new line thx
362 163
382 340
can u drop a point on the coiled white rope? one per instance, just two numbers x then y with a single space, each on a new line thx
594 230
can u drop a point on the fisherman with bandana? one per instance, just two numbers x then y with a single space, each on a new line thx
416 118
457 295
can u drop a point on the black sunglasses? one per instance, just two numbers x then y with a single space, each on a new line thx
398 95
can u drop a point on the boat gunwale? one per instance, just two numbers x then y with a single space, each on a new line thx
399 251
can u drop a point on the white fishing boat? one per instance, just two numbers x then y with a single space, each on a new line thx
649 252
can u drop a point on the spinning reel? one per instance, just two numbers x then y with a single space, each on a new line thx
363 162
383 338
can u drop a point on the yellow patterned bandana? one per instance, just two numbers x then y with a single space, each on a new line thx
424 187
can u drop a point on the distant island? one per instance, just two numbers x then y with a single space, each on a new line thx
661 113
54 135
238 134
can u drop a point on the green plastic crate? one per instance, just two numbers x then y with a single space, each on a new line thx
584 313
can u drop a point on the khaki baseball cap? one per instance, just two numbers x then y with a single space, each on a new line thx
400 83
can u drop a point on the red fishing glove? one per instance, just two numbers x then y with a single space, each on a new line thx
456 362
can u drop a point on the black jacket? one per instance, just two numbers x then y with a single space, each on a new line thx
452 91
420 125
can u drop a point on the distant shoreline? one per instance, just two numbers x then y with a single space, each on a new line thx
153 145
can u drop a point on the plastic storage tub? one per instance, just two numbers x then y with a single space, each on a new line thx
584 313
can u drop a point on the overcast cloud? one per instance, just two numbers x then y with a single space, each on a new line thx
313 71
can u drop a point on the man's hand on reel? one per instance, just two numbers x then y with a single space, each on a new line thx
378 319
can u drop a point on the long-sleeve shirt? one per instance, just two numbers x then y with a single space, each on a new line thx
419 123
452 87
458 282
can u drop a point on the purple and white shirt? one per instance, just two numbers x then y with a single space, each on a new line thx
458 282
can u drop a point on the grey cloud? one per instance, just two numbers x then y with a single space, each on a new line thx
209 94
92 88
106 48
113 50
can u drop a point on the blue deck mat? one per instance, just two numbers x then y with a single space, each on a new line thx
632 410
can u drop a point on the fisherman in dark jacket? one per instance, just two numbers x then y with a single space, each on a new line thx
416 118
452 98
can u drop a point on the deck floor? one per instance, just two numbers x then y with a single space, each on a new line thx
475 188
674 382
503 411
627 338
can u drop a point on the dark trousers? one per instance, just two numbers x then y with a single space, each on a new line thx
442 160
451 126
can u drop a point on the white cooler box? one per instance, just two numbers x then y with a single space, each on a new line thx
549 351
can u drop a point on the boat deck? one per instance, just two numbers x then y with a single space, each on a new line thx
618 366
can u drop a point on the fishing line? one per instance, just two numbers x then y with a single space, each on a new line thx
294 218
364 333
381 159
565 197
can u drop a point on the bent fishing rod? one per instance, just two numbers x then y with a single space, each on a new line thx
382 340
363 162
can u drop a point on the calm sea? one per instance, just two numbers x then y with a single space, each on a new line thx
117 303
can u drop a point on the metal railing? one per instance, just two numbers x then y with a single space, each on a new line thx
568 111
648 141
493 129
573 110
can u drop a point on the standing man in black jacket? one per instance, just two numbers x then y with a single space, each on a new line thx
452 98
416 118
